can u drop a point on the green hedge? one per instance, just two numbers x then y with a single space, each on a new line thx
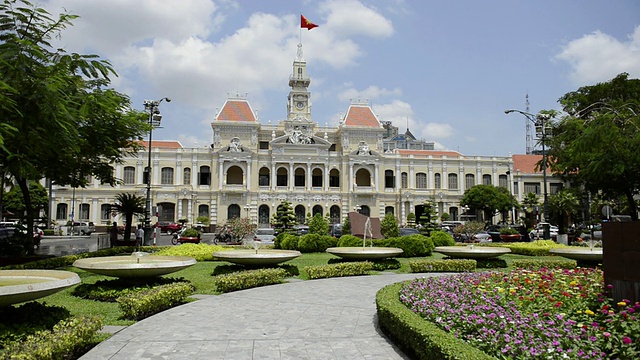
534 248
417 337
249 279
535 264
442 238
338 270
310 243
68 339
144 303
450 265
412 246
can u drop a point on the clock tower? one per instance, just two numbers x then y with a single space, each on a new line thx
299 99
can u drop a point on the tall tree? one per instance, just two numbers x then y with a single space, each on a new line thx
565 203
389 226
14 201
128 205
318 225
284 218
529 204
487 198
596 144
68 124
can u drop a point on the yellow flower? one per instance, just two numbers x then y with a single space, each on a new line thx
579 311
622 303
588 312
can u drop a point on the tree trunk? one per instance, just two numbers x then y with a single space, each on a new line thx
24 187
632 206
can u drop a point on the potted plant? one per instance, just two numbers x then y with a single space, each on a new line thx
190 235
508 233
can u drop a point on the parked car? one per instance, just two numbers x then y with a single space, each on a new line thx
301 229
169 227
83 228
265 235
408 231
335 230
538 231
494 231
482 237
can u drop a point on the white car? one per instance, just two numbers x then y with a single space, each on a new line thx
538 232
482 237
265 235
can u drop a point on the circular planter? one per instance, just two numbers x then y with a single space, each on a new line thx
18 286
260 257
364 253
136 265
189 239
471 251
510 237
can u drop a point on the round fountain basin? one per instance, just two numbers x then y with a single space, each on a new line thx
364 253
579 253
18 286
468 252
262 257
134 266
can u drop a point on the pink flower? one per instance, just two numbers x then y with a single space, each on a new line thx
607 334
626 340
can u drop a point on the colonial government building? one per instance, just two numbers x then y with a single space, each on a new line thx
251 168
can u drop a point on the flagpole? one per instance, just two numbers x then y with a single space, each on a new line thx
300 29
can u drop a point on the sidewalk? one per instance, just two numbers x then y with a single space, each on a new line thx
316 319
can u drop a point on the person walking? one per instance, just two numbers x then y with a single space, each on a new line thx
113 234
140 236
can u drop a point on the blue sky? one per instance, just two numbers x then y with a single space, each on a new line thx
448 69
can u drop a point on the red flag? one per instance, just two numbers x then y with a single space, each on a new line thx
306 24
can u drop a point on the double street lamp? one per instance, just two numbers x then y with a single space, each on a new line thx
540 122
155 117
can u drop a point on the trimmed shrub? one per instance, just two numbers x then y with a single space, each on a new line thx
249 279
534 248
200 252
67 340
491 263
417 337
338 270
535 264
289 242
412 246
452 265
144 303
17 322
309 243
110 290
442 238
386 264
351 241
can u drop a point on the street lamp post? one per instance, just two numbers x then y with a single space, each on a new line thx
154 120
540 122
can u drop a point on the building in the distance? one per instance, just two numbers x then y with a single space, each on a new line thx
251 168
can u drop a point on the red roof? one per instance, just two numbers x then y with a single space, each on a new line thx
236 110
426 153
162 144
526 164
359 115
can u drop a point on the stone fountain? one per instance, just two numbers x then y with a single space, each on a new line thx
370 229
256 257
137 265
18 286
472 251
588 253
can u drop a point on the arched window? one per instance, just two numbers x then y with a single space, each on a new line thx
186 176
263 216
334 213
61 212
300 214
486 179
437 181
233 211
334 178
404 179
389 209
235 175
282 177
203 210
299 177
264 176
204 177
389 179
129 175
365 210
469 181
502 181
453 181
105 212
453 213
363 177
317 209
421 181
166 176
84 211
316 178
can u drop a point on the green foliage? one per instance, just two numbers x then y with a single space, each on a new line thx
249 279
190 232
338 270
428 219
492 263
487 198
386 264
200 252
17 322
240 228
318 225
110 290
445 217
284 218
66 340
351 241
449 265
537 264
14 200
418 338
309 243
203 220
594 145
411 219
412 246
508 230
289 242
129 205
469 229
534 248
389 226
442 238
144 303
346 226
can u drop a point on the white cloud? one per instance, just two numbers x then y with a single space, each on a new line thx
401 115
599 57
351 17
372 92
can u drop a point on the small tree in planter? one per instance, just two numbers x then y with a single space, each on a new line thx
468 230
508 233
240 228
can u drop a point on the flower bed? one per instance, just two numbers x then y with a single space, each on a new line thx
548 313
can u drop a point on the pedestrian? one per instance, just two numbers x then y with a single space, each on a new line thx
140 235
113 234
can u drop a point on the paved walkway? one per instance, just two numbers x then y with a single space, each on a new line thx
316 319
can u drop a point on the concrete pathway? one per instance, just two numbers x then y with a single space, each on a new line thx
316 319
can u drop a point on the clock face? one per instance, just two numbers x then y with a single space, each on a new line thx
300 105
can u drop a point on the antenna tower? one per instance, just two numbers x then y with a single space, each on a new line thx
527 124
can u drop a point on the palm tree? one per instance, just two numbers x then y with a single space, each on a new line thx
565 202
529 203
128 205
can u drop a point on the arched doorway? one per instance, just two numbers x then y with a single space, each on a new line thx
317 209
263 216
363 177
334 214
300 214
166 211
233 211
365 210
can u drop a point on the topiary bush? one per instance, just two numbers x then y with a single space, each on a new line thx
289 242
412 246
315 243
351 241
144 303
442 238
249 279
